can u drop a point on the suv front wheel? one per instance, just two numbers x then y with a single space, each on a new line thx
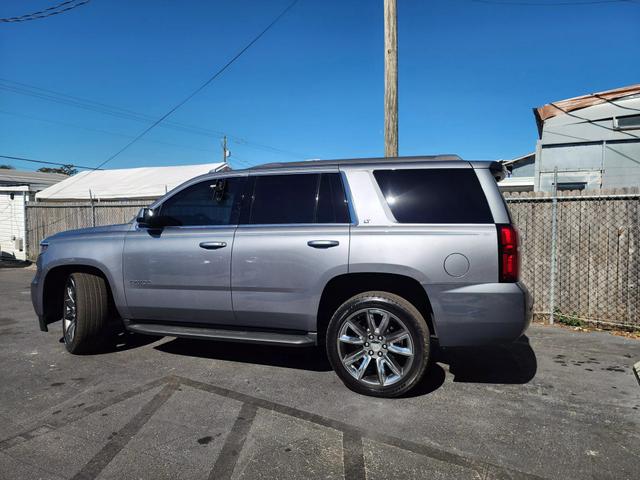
85 312
378 344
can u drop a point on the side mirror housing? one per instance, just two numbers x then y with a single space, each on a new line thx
145 217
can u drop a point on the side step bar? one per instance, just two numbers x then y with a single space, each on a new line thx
244 336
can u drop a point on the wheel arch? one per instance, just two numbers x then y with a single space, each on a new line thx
342 287
53 286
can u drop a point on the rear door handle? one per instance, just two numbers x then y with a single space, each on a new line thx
323 243
212 245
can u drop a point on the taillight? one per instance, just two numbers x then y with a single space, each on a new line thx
508 256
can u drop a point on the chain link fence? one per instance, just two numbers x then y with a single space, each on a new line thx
579 251
46 218
579 255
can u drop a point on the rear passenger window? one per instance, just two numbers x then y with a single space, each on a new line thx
332 201
434 195
298 198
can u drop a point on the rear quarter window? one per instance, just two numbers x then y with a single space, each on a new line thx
434 195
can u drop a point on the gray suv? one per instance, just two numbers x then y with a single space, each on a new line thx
372 259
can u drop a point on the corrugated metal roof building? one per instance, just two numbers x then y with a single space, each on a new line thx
593 141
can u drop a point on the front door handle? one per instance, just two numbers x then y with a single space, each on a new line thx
323 243
212 245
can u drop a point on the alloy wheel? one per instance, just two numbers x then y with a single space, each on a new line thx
375 347
70 316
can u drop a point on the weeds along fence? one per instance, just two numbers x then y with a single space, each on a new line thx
579 250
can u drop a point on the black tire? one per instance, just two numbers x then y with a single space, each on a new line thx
414 324
91 311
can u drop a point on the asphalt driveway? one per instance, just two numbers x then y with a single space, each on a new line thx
558 404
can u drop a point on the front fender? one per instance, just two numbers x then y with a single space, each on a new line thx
102 252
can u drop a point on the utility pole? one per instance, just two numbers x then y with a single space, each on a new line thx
390 79
225 152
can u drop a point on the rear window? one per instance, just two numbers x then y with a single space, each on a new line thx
434 195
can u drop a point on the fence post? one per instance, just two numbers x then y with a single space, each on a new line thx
93 210
554 235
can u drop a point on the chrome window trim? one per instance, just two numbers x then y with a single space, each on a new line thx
237 225
293 225
197 227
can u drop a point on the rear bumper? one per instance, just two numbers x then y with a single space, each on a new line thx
481 314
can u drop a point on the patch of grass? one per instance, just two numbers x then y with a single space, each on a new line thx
568 320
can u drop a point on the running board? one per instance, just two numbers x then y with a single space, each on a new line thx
244 336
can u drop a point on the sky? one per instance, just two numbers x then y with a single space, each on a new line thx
470 73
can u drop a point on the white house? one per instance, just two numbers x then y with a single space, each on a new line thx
16 188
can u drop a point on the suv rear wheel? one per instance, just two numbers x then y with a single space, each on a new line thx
378 344
85 312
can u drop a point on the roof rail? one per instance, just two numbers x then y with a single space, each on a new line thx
356 161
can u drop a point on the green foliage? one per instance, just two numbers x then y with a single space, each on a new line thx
569 320
8 167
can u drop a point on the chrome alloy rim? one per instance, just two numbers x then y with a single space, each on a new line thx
70 316
375 347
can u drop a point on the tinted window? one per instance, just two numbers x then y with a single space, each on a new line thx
332 201
434 195
301 198
284 199
212 202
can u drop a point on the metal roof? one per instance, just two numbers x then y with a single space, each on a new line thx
518 159
10 177
576 103
125 183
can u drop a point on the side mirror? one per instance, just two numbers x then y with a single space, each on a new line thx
219 190
145 217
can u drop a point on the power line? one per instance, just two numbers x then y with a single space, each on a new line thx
617 104
197 90
106 109
592 122
201 87
47 12
99 130
22 159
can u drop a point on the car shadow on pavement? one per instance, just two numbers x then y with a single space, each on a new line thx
514 363
433 379
305 358
12 263
118 340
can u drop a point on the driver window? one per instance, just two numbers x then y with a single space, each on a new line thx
211 202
